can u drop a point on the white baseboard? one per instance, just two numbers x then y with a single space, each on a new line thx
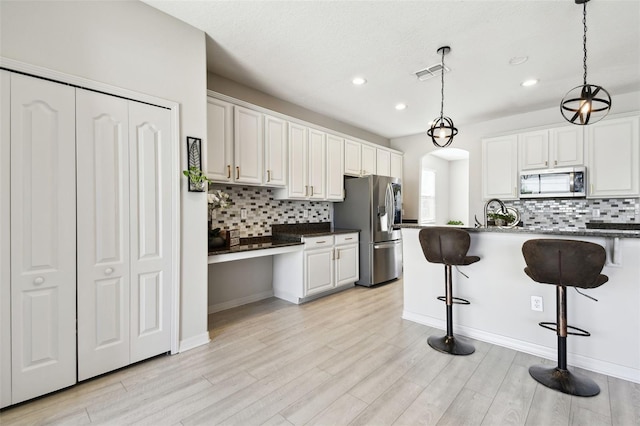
239 302
195 341
581 361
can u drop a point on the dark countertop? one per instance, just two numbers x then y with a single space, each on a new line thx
607 233
258 243
299 230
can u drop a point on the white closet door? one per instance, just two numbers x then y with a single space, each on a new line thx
150 221
103 233
43 237
5 240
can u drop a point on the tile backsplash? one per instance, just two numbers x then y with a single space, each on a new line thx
263 210
570 214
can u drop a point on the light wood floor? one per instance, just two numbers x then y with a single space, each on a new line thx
344 359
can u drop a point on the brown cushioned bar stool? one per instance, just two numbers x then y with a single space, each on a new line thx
564 263
448 246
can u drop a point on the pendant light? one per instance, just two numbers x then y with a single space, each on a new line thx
442 130
588 103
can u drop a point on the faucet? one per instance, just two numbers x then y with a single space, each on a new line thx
503 208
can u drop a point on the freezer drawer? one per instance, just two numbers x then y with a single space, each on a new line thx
386 261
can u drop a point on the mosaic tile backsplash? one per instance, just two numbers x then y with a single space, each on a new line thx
569 214
263 211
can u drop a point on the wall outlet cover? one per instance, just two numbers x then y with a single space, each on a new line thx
536 303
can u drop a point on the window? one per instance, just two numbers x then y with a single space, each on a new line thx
427 197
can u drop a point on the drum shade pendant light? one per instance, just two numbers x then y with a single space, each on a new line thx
442 130
588 103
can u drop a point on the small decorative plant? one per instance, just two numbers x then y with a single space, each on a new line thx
455 222
197 179
502 218
218 200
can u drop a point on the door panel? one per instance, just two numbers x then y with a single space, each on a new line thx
43 237
5 240
150 221
103 233
387 261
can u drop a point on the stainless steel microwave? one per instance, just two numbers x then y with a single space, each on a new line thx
557 183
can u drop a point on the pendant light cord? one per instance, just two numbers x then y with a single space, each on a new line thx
584 41
442 87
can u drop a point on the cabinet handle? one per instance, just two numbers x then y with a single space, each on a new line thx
555 162
546 163
306 190
312 190
337 254
321 242
237 172
333 254
268 175
108 271
228 171
38 280
591 189
347 239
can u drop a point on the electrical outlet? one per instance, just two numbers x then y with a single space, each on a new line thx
595 213
536 303
305 213
243 213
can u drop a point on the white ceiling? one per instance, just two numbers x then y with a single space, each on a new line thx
307 52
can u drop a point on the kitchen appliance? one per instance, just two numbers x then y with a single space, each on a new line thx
373 204
556 183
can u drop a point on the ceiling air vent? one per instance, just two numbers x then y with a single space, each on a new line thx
432 71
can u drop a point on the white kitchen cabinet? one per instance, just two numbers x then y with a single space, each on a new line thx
275 151
613 158
369 155
5 240
317 165
500 167
298 174
43 237
318 265
396 165
335 167
383 162
550 148
347 269
248 141
219 140
352 158
124 290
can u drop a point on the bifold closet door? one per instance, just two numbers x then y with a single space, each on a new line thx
5 239
43 237
102 128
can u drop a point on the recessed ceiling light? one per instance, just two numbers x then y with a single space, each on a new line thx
400 107
517 60
358 81
528 83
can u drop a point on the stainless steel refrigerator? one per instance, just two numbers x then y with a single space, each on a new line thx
373 204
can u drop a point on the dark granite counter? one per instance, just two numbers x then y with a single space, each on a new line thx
299 230
257 243
603 233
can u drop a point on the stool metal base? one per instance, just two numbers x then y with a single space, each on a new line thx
564 381
450 345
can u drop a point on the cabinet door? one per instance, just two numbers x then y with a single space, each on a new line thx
614 158
534 150
298 174
352 158
5 240
247 146
396 165
151 242
347 271
317 164
318 270
275 151
219 140
567 146
368 160
102 127
335 166
43 237
500 167
383 162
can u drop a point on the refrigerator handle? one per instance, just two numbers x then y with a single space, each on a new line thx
388 202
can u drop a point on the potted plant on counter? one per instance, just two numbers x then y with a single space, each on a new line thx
502 219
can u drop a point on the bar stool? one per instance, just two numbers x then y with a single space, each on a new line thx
448 246
564 263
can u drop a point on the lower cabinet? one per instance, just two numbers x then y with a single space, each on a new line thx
327 263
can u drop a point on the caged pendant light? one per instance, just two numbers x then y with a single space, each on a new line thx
442 130
588 103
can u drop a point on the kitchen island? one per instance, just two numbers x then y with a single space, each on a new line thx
500 295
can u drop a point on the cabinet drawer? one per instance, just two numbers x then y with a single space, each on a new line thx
346 238
311 243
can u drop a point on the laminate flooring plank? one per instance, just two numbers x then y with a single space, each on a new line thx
585 417
277 420
340 412
409 335
66 418
390 405
467 409
429 367
488 377
549 407
513 400
600 403
352 355
625 402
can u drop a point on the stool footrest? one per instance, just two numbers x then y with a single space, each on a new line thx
456 300
564 381
553 326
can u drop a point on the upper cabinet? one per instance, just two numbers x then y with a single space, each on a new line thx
550 148
219 140
335 168
352 158
500 167
369 156
247 145
275 151
317 160
396 165
383 162
613 158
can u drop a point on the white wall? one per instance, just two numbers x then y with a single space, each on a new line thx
239 282
441 167
459 191
133 46
469 138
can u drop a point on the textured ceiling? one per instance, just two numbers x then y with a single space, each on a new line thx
307 52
